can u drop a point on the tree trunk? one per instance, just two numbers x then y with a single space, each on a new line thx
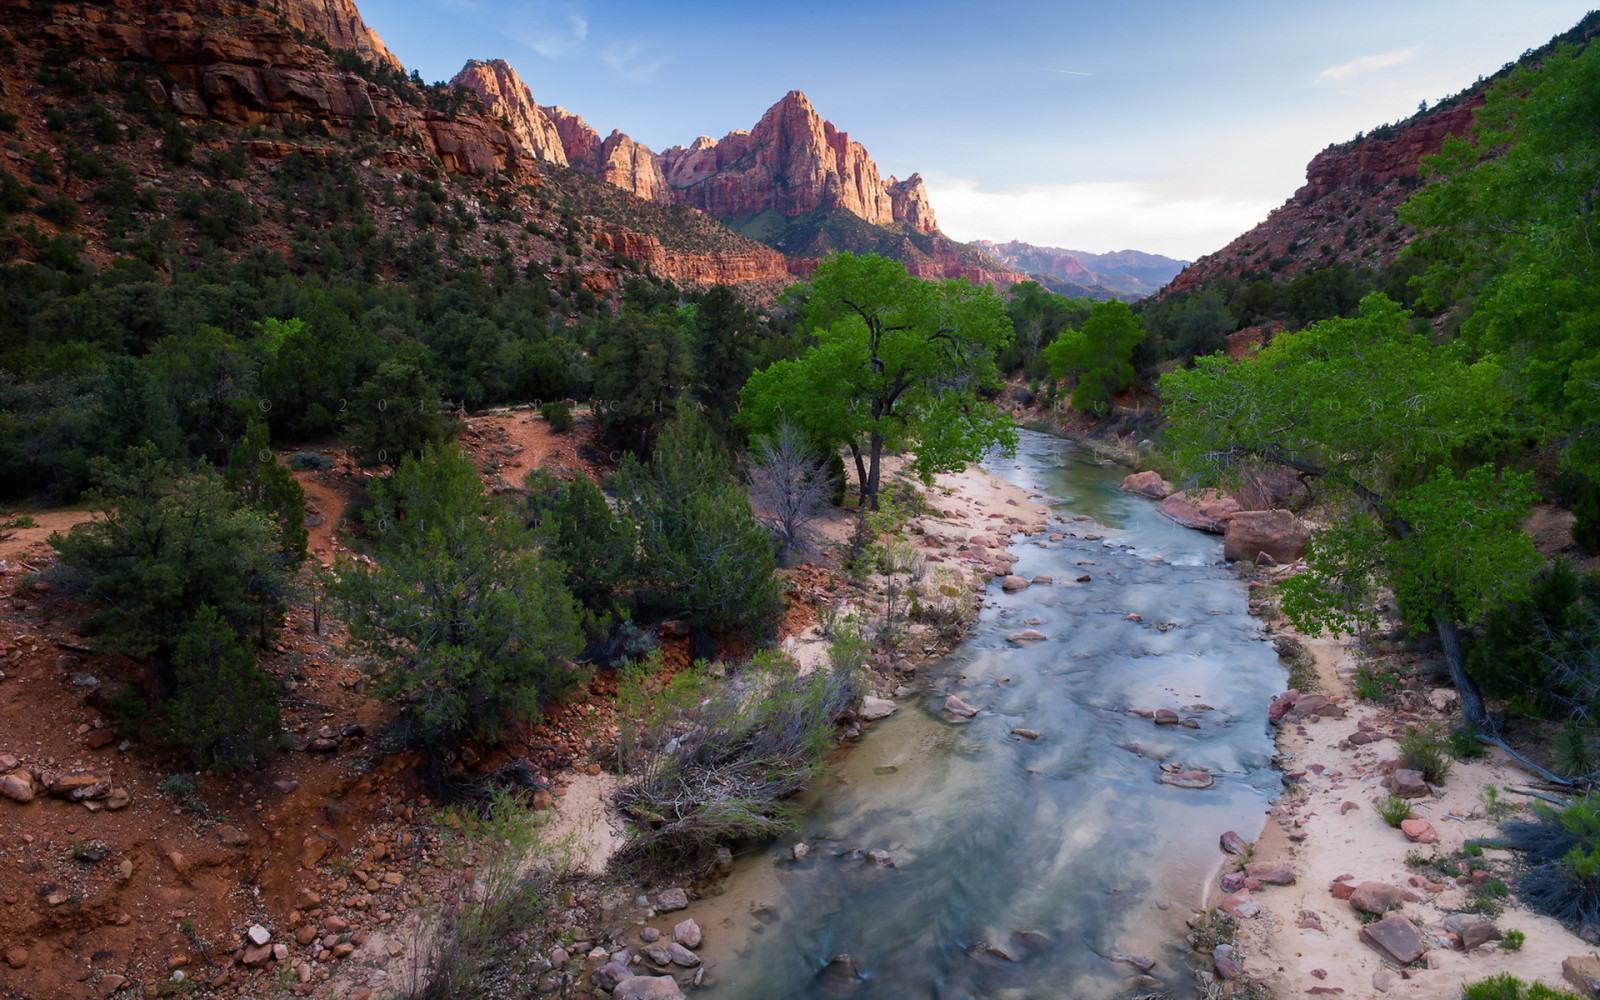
874 468
1472 709
861 475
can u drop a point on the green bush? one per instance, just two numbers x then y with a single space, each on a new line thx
558 414
1464 743
1394 810
309 461
224 715
1377 686
1422 750
1505 986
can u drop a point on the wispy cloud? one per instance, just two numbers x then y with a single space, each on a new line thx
551 29
633 61
1067 72
1096 216
1367 64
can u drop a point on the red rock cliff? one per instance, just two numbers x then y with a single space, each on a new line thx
505 94
339 23
256 72
1345 210
793 161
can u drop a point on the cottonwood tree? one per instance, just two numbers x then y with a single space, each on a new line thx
789 487
898 363
1098 356
1384 421
465 620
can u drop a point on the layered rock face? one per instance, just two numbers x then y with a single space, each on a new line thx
257 72
793 161
340 23
1345 212
699 269
503 90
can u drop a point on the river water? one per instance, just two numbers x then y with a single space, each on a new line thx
1021 868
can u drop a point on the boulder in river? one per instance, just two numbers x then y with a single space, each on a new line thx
955 706
1235 844
1148 484
1203 510
1188 777
873 709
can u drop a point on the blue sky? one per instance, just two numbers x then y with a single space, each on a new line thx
1163 126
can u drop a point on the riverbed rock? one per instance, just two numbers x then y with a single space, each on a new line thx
1026 635
1012 583
1167 717
1271 872
873 709
1227 963
1394 938
688 934
1282 704
1275 533
1239 904
955 706
1376 898
1188 777
1419 831
1203 510
1027 734
1148 484
647 988
610 974
672 899
1235 844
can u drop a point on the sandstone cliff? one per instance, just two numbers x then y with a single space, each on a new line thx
339 23
505 93
1345 212
793 162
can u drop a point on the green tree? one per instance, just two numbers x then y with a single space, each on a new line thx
1037 316
641 373
224 712
1508 228
1099 356
268 487
165 543
466 620
703 554
596 547
898 363
1387 423
395 414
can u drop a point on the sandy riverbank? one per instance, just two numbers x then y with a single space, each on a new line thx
1306 940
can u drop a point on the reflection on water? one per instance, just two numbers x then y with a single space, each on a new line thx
1019 868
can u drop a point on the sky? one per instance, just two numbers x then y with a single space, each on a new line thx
1168 126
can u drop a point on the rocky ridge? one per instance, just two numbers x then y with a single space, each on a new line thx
1126 274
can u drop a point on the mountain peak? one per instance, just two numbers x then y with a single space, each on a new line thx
339 23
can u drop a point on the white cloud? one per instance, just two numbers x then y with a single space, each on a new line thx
1367 64
1097 217
631 61
1067 72
552 30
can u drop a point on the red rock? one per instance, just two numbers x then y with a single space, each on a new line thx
1282 704
1204 510
1271 872
1419 831
1376 898
1239 904
955 706
1276 533
1341 890
1394 938
1148 483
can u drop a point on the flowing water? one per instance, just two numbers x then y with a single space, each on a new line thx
1020 868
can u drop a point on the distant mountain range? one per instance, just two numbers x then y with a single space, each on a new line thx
1123 274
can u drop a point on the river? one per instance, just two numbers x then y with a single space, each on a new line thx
1021 868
